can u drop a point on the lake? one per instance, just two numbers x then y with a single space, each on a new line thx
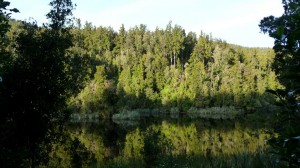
164 142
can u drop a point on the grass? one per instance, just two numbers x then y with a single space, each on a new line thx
243 160
227 112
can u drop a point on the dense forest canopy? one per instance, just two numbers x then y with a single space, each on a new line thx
49 72
138 68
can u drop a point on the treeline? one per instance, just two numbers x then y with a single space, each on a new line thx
138 68
164 68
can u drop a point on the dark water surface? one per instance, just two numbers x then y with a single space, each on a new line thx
157 142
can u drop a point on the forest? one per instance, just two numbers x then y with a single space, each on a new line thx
169 69
61 70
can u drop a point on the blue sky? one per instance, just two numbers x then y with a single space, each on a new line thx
235 21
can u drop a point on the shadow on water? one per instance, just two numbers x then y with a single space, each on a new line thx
166 138
170 133
166 142
149 134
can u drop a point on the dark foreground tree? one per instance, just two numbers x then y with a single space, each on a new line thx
5 13
34 90
286 32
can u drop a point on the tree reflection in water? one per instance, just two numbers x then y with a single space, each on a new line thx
164 143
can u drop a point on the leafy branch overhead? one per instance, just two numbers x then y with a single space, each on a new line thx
4 17
37 81
60 13
286 32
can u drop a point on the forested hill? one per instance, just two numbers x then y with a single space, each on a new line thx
138 68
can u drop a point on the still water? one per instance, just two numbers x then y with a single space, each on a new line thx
158 142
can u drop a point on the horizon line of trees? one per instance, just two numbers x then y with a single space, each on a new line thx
139 68
49 71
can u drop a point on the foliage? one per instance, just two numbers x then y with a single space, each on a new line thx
168 68
285 30
43 69
5 58
4 18
286 141
60 13
36 85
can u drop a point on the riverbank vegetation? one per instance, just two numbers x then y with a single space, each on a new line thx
169 68
195 88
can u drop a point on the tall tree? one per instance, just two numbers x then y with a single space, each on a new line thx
36 88
4 28
178 36
286 32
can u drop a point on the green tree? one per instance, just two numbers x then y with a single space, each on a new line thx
36 88
5 58
189 43
286 32
178 37
4 17
203 49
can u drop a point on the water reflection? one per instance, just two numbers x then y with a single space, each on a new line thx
164 143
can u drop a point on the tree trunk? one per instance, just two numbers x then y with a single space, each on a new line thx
174 60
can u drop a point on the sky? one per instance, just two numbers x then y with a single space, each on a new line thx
235 21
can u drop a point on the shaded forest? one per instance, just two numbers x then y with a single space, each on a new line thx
138 68
50 72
